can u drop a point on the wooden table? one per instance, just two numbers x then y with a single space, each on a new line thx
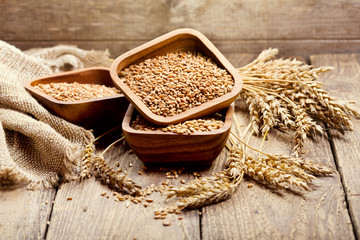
331 210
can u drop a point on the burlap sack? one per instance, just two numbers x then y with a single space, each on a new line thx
36 146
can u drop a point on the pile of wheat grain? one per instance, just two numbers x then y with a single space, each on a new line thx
72 92
176 82
191 126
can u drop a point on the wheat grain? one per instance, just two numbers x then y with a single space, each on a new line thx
176 82
205 124
72 92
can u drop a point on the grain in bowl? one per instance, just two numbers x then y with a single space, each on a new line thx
182 104
178 143
99 113
72 92
206 124
177 81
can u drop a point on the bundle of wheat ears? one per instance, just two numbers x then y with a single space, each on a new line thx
279 93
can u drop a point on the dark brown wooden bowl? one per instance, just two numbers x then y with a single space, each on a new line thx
98 114
199 148
178 40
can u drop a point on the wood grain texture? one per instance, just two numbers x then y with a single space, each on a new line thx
145 19
344 84
245 25
259 213
91 216
294 47
24 213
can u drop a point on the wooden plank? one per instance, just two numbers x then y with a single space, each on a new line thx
259 213
24 213
302 48
344 84
143 20
89 215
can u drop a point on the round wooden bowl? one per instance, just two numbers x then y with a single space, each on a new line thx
199 148
99 114
178 40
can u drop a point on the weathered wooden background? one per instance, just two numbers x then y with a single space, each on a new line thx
296 27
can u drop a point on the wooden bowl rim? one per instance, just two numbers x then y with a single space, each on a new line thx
229 116
28 86
190 113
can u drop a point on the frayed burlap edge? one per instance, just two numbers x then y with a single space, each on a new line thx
72 166
10 175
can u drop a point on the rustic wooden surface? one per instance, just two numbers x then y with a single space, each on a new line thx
329 211
295 47
298 27
344 84
91 216
24 214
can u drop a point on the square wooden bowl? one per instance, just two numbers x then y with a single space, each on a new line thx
199 148
98 114
178 40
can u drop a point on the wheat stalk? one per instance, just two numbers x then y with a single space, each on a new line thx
116 179
286 94
95 165
274 170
